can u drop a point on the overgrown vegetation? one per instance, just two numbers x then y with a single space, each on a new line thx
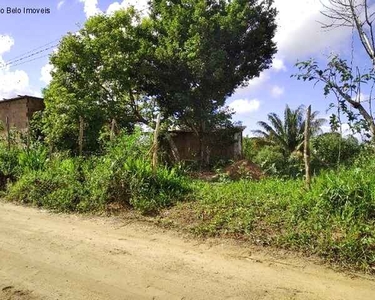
335 219
123 175
182 63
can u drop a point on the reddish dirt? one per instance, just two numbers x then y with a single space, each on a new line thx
240 169
244 169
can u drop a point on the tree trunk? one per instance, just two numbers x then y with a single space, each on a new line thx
155 145
355 104
8 131
113 128
202 146
80 138
174 149
307 148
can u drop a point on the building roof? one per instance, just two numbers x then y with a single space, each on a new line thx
21 97
180 130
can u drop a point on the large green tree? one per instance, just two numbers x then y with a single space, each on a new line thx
183 60
95 75
288 133
204 51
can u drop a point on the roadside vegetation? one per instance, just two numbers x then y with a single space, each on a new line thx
89 150
335 219
122 174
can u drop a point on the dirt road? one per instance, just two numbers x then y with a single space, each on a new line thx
48 256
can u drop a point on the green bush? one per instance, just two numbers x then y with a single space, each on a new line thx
274 162
9 165
59 186
33 159
18 160
251 146
271 160
335 219
331 149
122 175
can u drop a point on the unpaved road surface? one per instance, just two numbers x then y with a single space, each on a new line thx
48 256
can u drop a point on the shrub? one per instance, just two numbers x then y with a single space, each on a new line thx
332 149
58 187
33 159
251 147
274 162
90 184
124 174
335 219
18 160
271 160
9 165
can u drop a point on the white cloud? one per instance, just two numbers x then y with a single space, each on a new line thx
258 81
278 65
244 106
277 91
140 5
45 73
299 35
61 3
252 85
15 82
6 42
299 32
90 7
361 97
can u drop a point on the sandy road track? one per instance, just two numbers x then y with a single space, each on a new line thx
48 256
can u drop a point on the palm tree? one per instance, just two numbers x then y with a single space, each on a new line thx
288 134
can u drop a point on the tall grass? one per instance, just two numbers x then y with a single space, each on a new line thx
121 175
335 219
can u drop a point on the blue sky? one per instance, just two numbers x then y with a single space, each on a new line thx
299 37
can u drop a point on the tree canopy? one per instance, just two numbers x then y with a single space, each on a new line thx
204 51
183 60
95 73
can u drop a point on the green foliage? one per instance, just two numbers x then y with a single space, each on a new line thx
95 73
184 60
205 50
36 124
335 219
271 160
250 147
288 134
18 160
340 79
33 159
244 207
9 166
122 175
332 149
58 187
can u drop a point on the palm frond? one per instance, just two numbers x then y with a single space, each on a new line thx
288 133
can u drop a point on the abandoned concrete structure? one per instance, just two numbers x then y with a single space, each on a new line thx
223 144
19 111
